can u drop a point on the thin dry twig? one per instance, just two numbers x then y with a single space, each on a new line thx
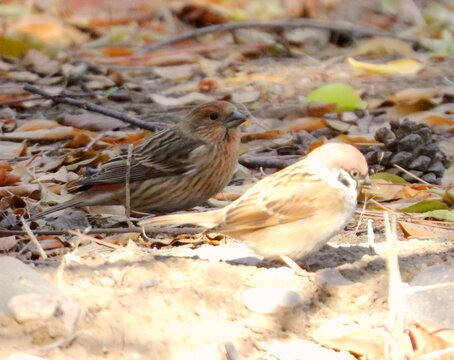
375 202
275 24
99 241
127 188
414 176
253 162
231 352
295 267
95 108
33 238
135 229
396 291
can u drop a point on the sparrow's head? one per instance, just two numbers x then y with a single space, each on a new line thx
346 160
211 122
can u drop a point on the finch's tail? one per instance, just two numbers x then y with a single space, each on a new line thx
70 203
208 219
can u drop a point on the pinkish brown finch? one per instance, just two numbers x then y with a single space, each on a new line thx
176 169
293 212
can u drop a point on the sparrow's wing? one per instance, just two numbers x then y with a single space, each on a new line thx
165 154
281 199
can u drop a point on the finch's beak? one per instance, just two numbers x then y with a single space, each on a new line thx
235 119
365 183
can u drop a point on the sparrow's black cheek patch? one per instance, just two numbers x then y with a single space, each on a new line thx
343 180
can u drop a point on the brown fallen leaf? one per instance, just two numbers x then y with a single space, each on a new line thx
266 135
6 178
49 242
428 342
306 123
411 230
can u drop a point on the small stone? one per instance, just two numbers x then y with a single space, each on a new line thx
332 281
268 300
402 159
432 306
421 163
33 307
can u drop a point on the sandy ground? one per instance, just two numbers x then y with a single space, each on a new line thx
183 303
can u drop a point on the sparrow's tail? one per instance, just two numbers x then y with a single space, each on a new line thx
208 219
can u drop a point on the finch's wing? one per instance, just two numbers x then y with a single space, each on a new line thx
165 154
280 199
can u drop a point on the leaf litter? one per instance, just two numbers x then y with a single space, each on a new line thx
46 145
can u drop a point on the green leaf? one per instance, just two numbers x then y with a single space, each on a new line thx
395 179
444 215
425 206
110 91
341 94
12 47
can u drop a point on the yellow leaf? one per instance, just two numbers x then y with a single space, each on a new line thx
401 66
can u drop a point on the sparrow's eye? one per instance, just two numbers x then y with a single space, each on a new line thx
214 115
354 173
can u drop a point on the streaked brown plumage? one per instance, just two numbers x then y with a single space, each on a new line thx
292 212
175 169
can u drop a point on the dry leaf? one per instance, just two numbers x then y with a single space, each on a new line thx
7 243
267 135
11 150
412 230
38 124
306 123
93 122
6 178
47 29
380 46
192 98
401 66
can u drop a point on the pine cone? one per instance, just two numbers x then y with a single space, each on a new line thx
409 145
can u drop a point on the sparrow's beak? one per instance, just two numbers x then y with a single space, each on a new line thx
365 183
235 119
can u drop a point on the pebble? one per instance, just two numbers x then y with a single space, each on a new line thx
29 298
268 300
33 306
432 305
332 281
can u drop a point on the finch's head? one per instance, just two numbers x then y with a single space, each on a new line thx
213 121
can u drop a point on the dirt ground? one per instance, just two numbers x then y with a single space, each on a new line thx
187 303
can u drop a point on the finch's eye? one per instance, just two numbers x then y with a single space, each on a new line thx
214 115
354 173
